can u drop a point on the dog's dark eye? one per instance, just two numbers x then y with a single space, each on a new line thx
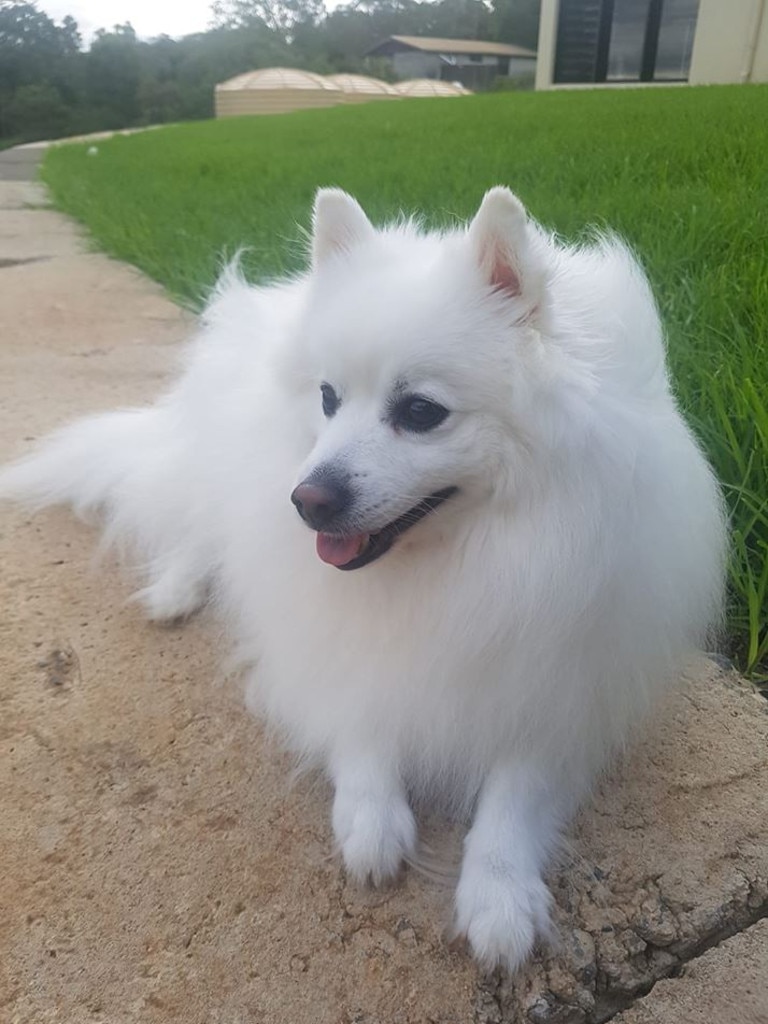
418 414
331 400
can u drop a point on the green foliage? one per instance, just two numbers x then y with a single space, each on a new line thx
113 72
36 109
516 21
525 82
280 16
680 173
35 56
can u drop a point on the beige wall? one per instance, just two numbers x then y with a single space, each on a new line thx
236 102
731 43
545 61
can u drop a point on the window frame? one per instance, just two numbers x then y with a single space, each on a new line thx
649 51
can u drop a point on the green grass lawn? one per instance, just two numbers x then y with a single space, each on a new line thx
680 172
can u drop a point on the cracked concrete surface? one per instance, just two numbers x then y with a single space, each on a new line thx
671 858
158 863
725 984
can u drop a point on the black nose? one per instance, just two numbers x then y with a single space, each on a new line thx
319 504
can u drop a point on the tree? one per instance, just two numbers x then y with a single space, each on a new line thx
516 21
31 44
70 34
37 111
279 16
113 73
34 53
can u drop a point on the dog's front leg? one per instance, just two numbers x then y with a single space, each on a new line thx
372 820
502 902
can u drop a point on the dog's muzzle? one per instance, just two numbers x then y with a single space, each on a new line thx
325 502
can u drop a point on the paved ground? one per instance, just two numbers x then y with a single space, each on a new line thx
157 864
20 163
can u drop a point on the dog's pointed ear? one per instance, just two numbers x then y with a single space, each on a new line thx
338 224
501 239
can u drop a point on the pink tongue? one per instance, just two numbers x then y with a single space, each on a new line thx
340 550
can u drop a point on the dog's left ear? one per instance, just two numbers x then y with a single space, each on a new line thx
501 239
338 224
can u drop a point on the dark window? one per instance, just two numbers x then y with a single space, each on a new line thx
625 52
578 32
676 32
624 40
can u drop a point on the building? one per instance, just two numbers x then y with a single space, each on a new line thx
632 42
472 62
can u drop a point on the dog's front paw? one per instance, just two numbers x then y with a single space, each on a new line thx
172 596
375 834
501 911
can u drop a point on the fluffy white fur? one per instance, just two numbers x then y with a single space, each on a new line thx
503 648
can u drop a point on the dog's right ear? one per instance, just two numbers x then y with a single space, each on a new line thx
502 240
338 225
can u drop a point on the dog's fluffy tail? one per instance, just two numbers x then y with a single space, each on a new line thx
84 464
129 467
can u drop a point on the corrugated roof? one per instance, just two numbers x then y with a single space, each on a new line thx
478 46
431 87
279 78
362 84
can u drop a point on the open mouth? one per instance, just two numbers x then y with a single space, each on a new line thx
356 550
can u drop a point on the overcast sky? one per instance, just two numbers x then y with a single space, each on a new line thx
148 17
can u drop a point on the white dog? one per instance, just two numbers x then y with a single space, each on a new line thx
478 427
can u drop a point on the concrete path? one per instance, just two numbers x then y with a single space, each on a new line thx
21 163
157 865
